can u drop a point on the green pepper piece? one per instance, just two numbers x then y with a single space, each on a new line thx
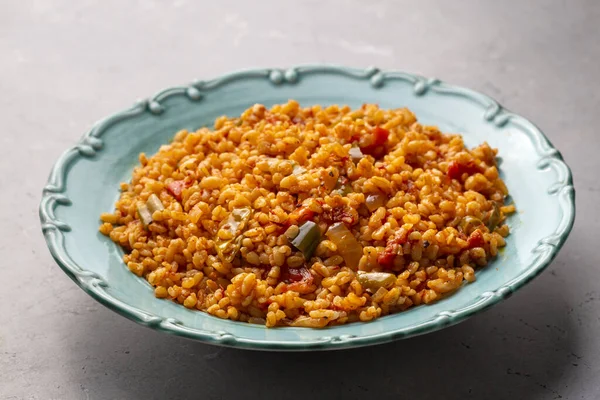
495 217
307 239
376 280
342 187
468 223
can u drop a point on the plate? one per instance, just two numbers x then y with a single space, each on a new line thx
84 183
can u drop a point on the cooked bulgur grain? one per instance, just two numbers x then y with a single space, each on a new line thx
311 216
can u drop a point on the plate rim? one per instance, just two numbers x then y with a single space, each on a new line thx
54 195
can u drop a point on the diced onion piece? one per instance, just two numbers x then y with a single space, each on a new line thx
145 215
154 204
298 170
356 154
374 201
347 245
308 322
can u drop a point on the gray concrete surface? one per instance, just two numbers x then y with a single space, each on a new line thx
64 64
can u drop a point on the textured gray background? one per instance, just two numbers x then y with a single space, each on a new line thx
65 64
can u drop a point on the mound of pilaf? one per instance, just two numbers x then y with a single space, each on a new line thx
311 217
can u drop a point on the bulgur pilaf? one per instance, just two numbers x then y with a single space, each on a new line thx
312 216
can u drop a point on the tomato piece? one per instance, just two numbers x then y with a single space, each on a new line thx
306 214
299 274
380 137
301 215
386 258
332 215
176 188
300 279
475 239
456 169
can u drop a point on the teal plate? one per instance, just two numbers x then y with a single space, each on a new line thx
85 180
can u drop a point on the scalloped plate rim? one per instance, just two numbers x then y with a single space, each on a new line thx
53 196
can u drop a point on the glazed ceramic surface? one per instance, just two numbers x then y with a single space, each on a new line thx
85 182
